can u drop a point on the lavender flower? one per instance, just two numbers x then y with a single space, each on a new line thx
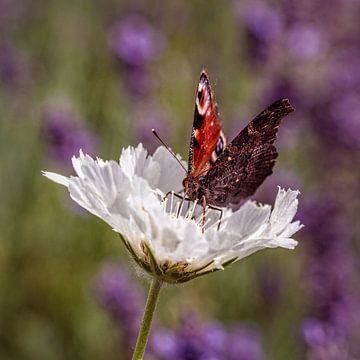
135 41
324 85
335 307
122 298
343 70
341 117
263 25
163 344
65 134
306 47
244 343
325 341
192 340
139 82
306 41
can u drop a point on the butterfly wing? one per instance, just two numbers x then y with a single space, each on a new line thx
247 160
207 140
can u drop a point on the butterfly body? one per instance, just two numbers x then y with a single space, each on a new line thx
221 175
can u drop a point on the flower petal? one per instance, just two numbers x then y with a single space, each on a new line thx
285 208
59 179
248 218
171 173
136 161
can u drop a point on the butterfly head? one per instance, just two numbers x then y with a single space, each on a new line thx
192 187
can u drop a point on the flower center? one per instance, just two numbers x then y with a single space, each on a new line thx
177 206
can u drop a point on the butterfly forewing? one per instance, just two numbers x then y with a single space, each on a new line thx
247 160
221 175
207 140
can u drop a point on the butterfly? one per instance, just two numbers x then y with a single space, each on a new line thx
222 175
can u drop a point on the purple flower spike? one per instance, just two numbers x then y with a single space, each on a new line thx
306 42
65 135
118 294
206 341
244 343
344 70
164 344
263 25
325 341
139 81
216 336
135 41
193 340
263 21
330 274
190 339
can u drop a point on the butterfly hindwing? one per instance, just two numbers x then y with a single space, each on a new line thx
247 160
207 140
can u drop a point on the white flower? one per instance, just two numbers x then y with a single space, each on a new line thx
170 242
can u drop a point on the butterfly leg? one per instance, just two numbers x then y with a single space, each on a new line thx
176 195
203 201
173 194
221 214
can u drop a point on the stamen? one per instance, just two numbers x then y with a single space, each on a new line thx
206 222
165 202
191 212
181 207
203 219
172 201
176 213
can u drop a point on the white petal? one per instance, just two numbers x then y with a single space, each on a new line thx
136 161
284 209
173 238
248 218
60 179
253 228
102 188
291 229
284 242
171 172
78 162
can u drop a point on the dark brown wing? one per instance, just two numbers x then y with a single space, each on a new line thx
247 160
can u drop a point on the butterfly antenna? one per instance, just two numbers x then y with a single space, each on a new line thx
168 149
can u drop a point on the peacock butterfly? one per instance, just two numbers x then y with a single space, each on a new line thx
220 174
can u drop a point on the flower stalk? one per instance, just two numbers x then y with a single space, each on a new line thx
150 306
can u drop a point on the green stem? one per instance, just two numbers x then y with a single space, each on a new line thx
147 319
